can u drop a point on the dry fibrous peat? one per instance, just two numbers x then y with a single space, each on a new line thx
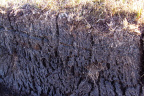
48 53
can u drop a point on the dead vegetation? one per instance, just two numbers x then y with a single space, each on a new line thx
129 13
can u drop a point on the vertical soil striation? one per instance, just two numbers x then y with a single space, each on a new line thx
45 53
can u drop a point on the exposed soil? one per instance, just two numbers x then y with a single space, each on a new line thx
46 53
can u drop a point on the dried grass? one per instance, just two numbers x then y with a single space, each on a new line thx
101 9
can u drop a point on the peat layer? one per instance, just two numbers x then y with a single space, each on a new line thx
48 53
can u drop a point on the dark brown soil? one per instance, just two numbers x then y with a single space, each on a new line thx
46 53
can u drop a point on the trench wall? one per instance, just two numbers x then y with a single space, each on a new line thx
44 53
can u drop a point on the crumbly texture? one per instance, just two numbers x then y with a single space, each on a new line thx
49 52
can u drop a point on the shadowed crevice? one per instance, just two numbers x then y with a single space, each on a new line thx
57 36
142 57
